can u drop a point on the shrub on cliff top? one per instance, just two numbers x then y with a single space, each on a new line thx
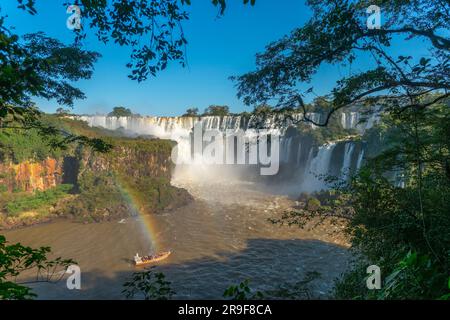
38 199
17 146
313 204
99 198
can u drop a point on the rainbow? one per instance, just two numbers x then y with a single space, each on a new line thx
147 221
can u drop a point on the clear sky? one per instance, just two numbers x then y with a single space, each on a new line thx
217 48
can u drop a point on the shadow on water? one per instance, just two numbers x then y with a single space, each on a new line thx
266 262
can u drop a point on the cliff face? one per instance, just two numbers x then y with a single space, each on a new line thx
133 159
31 176
77 183
134 175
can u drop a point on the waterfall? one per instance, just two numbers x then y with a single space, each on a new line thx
360 159
349 120
317 167
310 157
299 153
353 120
399 180
315 117
348 152
303 170
286 149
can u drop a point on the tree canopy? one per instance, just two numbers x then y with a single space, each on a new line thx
191 112
120 112
215 110
16 259
337 34
157 25
39 66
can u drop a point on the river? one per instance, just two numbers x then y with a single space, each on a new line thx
220 239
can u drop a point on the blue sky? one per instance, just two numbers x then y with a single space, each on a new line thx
217 48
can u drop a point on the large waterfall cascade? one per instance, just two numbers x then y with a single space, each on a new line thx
305 162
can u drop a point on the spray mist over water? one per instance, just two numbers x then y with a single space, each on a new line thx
302 162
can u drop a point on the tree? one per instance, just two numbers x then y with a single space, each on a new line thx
39 66
263 109
62 112
150 284
156 24
242 291
337 34
403 230
191 112
16 258
215 110
120 112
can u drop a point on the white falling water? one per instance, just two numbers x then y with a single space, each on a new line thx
349 120
348 152
399 180
286 151
318 166
360 159
299 153
179 129
314 117
353 120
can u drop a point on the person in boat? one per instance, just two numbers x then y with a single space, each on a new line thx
137 259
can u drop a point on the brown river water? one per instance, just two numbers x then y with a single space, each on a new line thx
219 240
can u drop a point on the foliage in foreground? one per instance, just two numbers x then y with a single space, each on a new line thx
242 291
149 284
337 35
405 230
294 291
406 237
396 209
15 259
412 277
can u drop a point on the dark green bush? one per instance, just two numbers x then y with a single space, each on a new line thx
404 230
313 204
99 195
38 199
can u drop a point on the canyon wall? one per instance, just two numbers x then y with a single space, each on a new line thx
132 178
31 175
133 158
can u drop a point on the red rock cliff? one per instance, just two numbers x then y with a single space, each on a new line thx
31 176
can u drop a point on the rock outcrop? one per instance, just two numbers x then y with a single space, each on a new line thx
132 177
31 176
